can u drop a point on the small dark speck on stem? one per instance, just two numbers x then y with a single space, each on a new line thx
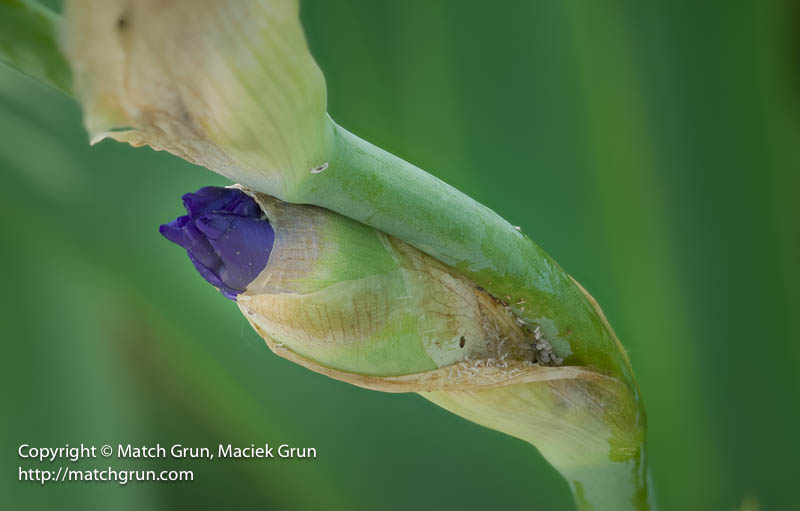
462 342
122 22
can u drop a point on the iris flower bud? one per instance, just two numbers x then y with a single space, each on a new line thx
351 302
225 235
390 295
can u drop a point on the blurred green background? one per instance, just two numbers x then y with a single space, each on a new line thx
653 148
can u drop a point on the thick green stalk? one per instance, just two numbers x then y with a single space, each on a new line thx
29 42
375 187
379 189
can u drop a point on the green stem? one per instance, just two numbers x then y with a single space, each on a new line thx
29 43
379 189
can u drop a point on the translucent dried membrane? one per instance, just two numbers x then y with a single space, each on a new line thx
206 80
356 299
355 304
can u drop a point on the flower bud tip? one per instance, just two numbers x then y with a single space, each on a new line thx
225 235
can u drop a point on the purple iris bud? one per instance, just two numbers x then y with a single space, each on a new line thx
226 236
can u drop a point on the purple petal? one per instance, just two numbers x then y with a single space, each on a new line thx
199 246
245 206
211 198
206 272
174 232
212 277
230 295
244 249
225 236
214 225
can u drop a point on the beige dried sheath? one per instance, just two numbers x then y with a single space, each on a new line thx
355 304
